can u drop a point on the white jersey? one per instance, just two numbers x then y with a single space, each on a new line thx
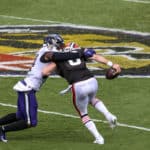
34 78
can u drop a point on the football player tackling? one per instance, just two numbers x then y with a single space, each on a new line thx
84 86
26 115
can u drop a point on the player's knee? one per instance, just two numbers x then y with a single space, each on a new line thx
32 124
94 102
85 118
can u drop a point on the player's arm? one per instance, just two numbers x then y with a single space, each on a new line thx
48 69
91 54
60 56
103 60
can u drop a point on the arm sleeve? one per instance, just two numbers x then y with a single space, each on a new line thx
46 57
63 56
60 56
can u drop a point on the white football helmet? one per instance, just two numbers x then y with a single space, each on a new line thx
71 46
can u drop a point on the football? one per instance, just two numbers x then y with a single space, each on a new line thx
111 74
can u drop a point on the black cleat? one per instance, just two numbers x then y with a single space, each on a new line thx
2 136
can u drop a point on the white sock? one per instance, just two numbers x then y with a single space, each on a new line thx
102 108
92 128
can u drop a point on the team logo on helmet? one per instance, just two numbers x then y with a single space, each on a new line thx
71 46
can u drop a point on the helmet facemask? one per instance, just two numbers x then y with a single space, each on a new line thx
71 46
54 40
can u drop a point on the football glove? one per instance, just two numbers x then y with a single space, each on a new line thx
89 52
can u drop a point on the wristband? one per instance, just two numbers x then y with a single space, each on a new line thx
109 63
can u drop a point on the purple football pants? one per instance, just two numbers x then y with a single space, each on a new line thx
27 107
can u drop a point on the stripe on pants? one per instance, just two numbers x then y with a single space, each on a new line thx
27 108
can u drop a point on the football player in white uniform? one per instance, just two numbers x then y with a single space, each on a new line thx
26 115
84 86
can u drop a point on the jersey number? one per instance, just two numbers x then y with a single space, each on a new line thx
75 62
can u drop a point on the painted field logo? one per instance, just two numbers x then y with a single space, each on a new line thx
14 63
130 49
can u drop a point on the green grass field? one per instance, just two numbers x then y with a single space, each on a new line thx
127 98
113 13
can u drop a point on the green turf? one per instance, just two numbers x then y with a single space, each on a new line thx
127 98
104 13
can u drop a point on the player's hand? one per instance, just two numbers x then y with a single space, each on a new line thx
117 68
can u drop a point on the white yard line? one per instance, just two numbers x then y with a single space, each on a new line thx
29 19
138 1
73 116
65 24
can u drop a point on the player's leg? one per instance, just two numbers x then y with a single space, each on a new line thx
27 114
90 125
19 124
8 118
33 109
27 107
81 101
100 106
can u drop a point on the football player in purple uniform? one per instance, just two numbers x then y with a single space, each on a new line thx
84 86
26 115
